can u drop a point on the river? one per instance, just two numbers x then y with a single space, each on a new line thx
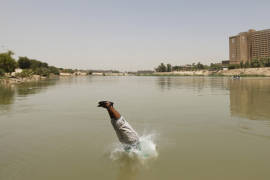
207 128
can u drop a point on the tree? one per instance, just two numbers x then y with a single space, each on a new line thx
234 66
10 53
7 63
199 66
255 63
247 65
42 71
24 63
241 64
2 72
68 71
215 66
34 64
169 68
161 68
37 64
177 68
54 70
267 62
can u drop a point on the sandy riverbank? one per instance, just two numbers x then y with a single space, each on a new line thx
242 72
246 72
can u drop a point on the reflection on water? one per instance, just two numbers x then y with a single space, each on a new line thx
33 87
250 98
128 168
9 92
255 128
194 83
6 95
59 133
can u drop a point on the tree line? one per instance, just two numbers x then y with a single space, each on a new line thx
30 66
169 68
254 63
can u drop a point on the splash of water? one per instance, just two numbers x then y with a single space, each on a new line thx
148 150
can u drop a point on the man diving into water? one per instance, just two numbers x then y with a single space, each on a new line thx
125 133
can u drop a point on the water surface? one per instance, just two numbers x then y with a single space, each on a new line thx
204 128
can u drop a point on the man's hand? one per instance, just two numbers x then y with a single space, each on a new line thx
105 104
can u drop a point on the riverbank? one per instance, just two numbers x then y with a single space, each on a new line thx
250 72
264 72
246 72
19 80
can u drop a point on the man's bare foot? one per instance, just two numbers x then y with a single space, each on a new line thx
105 104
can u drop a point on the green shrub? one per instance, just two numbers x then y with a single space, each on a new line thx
54 70
2 72
265 62
255 63
161 68
42 71
215 66
247 65
233 66
7 63
34 64
25 73
68 71
24 63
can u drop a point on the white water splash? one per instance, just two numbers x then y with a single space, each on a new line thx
147 150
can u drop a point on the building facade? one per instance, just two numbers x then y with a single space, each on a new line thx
249 45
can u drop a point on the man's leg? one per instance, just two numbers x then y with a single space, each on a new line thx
113 113
126 134
109 106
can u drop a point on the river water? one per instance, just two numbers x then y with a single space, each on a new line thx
203 128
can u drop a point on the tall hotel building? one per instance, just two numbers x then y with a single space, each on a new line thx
249 45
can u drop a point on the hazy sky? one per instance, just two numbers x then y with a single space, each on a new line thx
126 35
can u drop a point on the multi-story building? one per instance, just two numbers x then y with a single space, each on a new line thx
249 45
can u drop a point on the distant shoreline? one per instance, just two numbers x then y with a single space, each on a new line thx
247 72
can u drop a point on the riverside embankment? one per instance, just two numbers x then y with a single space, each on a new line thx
18 80
231 72
13 79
